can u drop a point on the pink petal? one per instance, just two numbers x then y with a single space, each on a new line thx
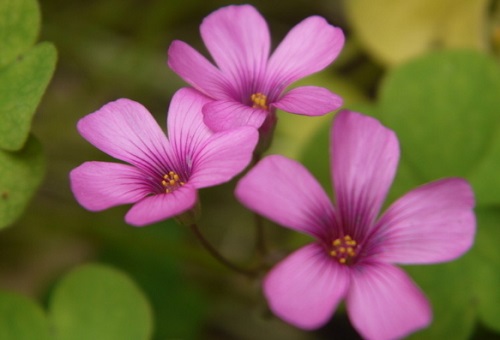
384 303
308 48
225 115
433 223
364 156
125 130
238 39
223 156
101 185
186 130
197 71
160 207
309 101
305 288
284 191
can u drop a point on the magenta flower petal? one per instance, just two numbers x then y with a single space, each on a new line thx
384 303
223 156
225 115
125 130
156 208
364 156
160 181
186 130
305 288
308 48
101 185
433 223
309 100
238 39
197 71
284 191
249 82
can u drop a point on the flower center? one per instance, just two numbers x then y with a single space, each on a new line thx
259 101
171 181
344 249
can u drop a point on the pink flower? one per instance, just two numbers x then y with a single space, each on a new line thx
164 174
355 250
248 84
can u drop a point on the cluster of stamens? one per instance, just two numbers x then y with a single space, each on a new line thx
259 101
171 181
344 249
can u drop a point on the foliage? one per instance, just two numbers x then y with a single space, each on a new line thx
427 69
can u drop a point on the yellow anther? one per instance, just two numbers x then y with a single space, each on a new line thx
171 181
259 101
344 249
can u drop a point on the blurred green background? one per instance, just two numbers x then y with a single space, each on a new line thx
427 68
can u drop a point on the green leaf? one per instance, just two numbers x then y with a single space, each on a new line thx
444 108
486 267
466 289
395 31
19 26
485 179
99 302
21 173
22 85
316 155
293 131
21 319
177 304
453 306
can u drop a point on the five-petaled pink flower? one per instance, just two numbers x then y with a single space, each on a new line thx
355 250
248 84
164 174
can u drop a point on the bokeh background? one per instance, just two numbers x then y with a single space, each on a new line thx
427 68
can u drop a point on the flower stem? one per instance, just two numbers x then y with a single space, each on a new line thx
260 237
218 256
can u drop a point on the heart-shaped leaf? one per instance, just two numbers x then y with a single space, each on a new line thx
444 108
22 85
19 26
21 319
98 302
21 173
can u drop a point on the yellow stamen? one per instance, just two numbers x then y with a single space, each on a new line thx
171 181
344 249
259 101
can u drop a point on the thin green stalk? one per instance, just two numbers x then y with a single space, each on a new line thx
218 256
